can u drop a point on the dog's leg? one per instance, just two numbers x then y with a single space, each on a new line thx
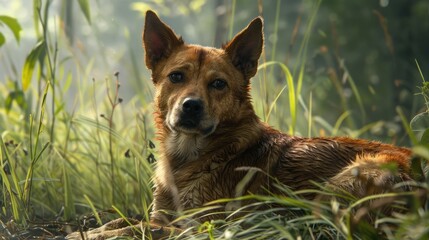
126 228
117 227
371 174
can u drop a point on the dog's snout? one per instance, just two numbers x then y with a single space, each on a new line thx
192 112
193 107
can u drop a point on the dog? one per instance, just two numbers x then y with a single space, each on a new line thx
209 135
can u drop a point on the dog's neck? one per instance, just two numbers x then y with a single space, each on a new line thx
184 147
227 140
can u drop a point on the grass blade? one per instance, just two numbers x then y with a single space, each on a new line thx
86 10
291 90
13 25
37 54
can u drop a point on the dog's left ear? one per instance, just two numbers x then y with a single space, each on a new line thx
159 40
246 48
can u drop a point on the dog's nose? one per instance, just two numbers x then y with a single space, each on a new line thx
192 111
193 107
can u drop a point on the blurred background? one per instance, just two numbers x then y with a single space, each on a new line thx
76 98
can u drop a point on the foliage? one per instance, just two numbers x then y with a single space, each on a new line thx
13 25
77 152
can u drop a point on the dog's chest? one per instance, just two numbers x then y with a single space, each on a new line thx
202 185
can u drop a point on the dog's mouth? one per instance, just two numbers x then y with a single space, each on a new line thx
191 125
191 128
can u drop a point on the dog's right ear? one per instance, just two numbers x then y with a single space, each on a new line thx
158 39
246 48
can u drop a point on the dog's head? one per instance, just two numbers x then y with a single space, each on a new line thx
199 88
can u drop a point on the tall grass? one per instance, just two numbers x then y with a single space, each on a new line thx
57 164
293 80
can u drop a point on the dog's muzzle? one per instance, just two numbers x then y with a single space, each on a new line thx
190 117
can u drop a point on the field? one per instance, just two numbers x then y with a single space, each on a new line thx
78 144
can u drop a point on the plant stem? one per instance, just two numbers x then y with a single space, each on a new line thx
113 103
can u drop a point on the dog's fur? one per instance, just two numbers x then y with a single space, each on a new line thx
209 133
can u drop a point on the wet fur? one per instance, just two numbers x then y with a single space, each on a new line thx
195 168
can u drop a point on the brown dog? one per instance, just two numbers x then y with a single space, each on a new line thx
208 131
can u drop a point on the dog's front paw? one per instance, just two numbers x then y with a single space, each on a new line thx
115 228
126 228
158 231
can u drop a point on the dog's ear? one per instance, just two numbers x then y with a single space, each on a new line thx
246 48
158 39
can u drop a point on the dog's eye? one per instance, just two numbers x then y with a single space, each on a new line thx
176 77
218 84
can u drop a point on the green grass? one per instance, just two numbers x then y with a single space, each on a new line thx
96 161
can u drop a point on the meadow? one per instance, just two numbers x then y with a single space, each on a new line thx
78 144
